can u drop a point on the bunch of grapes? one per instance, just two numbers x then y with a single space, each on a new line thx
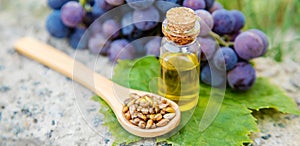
134 30
117 34
226 50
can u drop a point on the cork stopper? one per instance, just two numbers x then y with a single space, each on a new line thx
181 19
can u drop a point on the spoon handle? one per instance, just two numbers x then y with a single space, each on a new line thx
62 63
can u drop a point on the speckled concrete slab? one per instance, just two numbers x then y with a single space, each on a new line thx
38 106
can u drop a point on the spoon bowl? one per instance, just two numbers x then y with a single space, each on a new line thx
113 94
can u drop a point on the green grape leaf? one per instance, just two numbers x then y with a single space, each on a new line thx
137 74
264 95
232 125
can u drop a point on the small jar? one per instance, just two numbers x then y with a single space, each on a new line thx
179 58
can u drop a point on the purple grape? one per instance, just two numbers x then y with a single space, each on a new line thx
72 13
194 4
212 76
111 28
153 46
216 6
115 2
242 76
225 56
100 7
239 20
121 49
99 44
248 45
75 39
140 4
206 17
224 22
139 45
146 19
103 5
127 24
164 5
209 4
97 11
208 47
57 4
179 2
263 38
206 22
95 27
129 30
55 26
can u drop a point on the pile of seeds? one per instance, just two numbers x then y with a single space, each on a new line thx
147 111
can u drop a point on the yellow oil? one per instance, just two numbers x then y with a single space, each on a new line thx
180 79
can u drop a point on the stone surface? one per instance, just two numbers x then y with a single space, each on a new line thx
38 106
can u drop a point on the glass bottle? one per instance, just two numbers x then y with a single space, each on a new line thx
179 58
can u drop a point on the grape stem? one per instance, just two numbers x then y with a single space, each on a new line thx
220 40
82 2
85 4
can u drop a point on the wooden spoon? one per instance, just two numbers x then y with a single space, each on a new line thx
102 86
